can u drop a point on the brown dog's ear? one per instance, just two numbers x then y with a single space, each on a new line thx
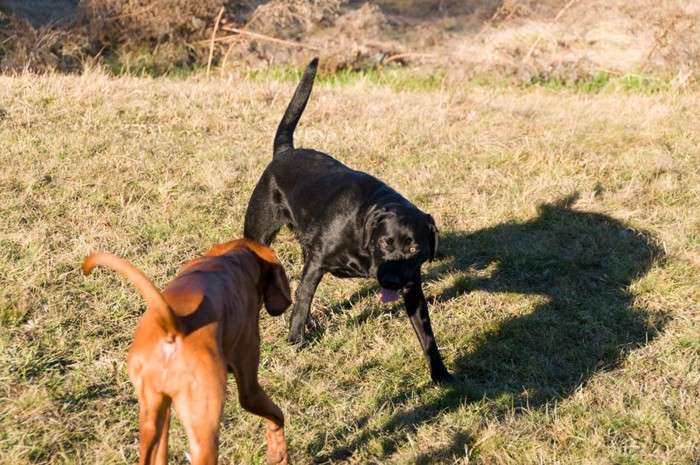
277 296
434 237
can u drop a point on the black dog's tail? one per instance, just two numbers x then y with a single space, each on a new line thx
284 138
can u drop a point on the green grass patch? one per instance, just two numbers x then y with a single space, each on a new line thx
394 77
603 82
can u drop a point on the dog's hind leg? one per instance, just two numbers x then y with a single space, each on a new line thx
162 454
200 404
154 419
252 397
265 214
262 226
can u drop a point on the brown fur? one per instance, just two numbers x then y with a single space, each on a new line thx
203 325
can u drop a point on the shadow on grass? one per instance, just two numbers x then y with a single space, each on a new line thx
316 330
582 263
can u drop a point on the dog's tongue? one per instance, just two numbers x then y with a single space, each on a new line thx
388 295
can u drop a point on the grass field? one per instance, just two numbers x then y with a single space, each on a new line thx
565 295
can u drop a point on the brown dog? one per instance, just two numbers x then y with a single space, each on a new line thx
202 325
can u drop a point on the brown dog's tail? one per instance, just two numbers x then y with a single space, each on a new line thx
162 312
284 138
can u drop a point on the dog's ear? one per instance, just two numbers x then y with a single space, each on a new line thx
371 219
277 296
434 237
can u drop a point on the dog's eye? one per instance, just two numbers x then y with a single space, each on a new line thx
413 249
384 244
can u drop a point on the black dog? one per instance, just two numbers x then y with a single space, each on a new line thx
349 224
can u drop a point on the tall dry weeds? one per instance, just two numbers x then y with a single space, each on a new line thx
268 33
675 26
49 47
525 40
164 28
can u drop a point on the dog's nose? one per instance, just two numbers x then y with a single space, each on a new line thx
390 281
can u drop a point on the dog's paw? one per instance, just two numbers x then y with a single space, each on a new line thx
296 337
443 377
278 459
276 446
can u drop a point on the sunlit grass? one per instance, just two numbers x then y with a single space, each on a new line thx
564 294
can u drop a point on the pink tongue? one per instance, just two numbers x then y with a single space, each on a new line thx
388 295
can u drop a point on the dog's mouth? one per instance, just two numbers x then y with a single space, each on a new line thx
391 295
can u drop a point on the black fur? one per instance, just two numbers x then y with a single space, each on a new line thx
349 224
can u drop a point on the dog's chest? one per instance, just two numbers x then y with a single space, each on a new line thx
348 267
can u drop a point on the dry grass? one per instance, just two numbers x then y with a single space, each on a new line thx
574 40
564 297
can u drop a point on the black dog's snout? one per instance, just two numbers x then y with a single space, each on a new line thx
390 281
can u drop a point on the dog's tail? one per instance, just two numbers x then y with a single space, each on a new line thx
160 309
284 138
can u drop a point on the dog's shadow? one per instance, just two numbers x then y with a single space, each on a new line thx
585 319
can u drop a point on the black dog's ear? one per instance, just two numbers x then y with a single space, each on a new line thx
434 236
371 219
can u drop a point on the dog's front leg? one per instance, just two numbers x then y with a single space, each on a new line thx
252 397
417 309
310 278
